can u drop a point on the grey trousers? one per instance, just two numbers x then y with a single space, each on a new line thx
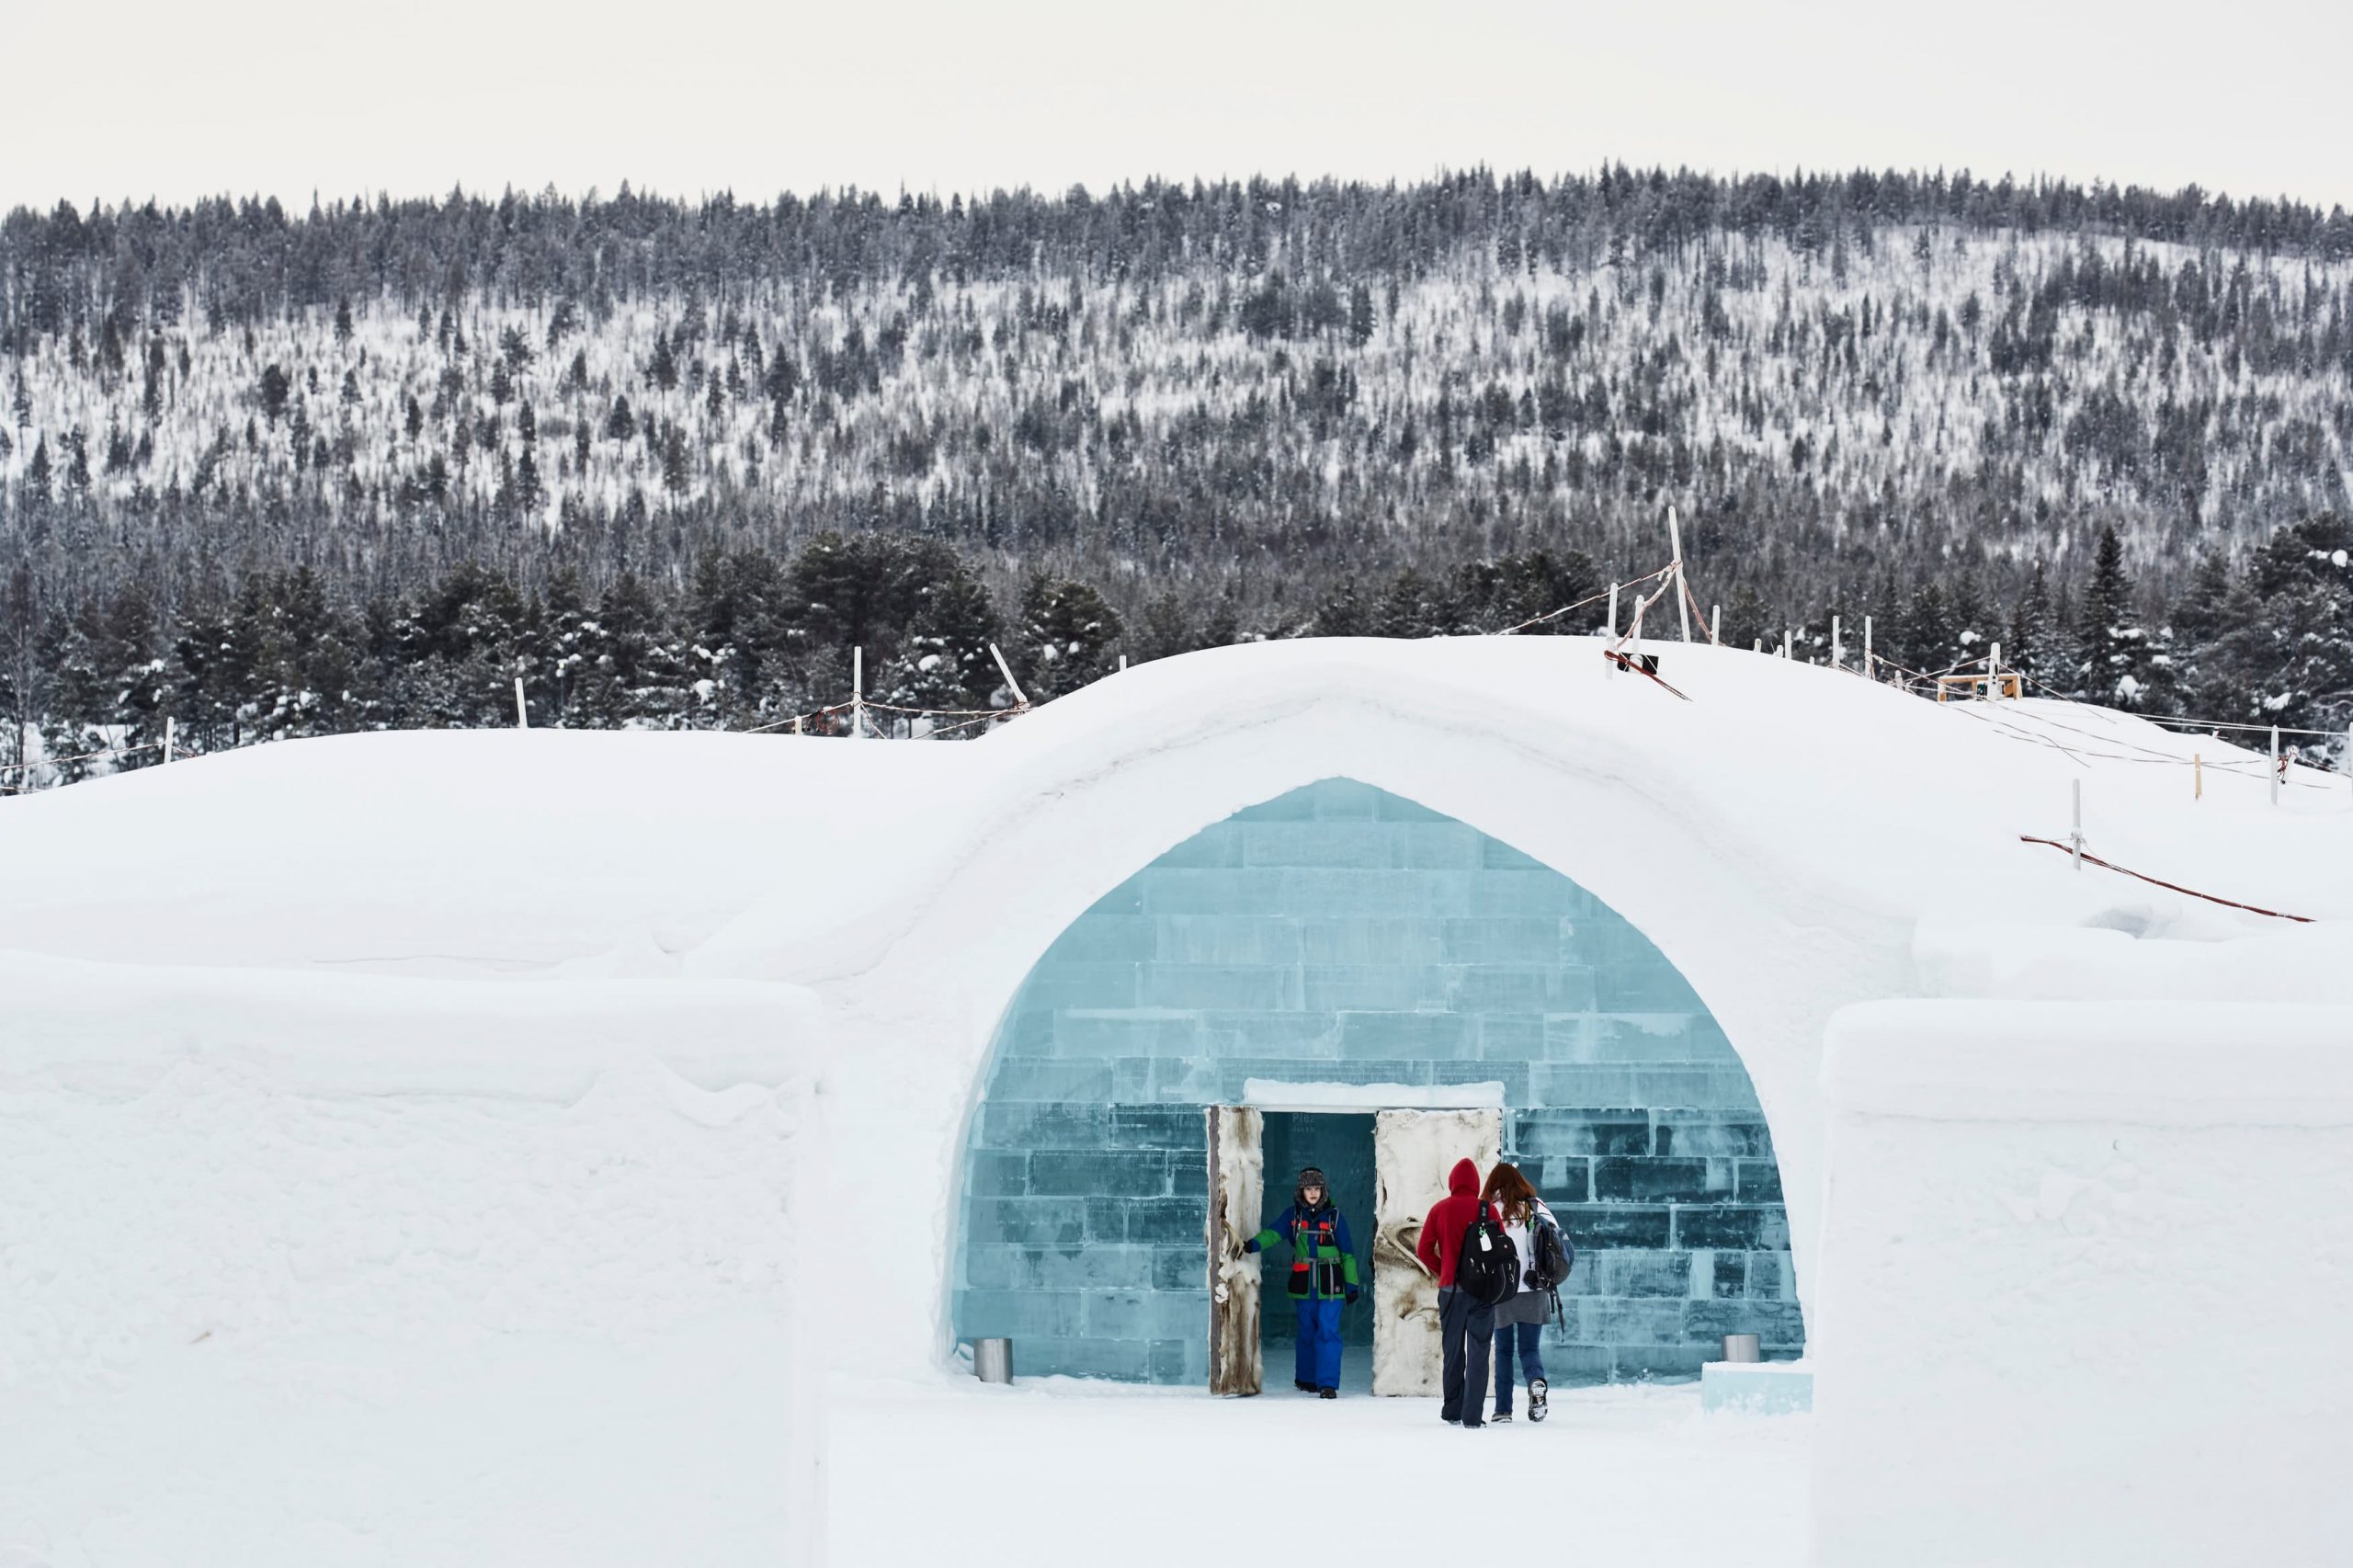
1466 1333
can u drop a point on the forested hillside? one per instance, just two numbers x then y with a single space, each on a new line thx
669 462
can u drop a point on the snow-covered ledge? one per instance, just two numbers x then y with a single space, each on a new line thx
2088 1267
1268 1094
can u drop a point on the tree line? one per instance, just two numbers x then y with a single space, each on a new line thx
751 642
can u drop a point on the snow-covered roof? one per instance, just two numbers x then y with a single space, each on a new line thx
551 853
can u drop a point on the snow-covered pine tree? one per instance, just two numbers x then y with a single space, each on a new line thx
2113 653
944 661
1067 637
1923 632
2039 641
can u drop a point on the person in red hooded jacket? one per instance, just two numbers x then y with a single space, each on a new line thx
1466 1328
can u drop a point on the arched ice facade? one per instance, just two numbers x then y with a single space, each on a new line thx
1339 933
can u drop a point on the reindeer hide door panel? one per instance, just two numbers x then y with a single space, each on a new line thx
1413 1150
1237 1182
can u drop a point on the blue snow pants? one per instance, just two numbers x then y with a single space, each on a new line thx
1319 1344
1527 1335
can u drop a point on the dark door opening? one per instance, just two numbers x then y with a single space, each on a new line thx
1340 1145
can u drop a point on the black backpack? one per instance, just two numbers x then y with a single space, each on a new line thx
1554 1253
1488 1269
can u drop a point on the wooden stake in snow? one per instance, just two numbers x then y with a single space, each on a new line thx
1837 644
1787 636
1011 685
522 714
2197 776
2075 838
1716 624
2274 764
1870 671
168 739
1682 594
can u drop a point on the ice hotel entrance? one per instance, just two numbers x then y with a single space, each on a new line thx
1336 952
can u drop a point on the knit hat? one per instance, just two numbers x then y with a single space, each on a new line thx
1311 1176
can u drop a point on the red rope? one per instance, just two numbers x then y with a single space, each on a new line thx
2170 887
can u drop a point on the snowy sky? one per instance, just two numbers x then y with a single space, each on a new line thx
140 97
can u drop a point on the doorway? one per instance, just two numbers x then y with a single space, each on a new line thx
1255 1156
1340 1145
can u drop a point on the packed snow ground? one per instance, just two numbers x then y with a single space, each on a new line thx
1061 1472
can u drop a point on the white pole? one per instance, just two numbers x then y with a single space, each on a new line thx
1019 699
2274 764
1756 645
1837 644
1613 612
1786 637
2076 837
168 739
2348 753
522 715
858 694
1870 671
1716 625
1123 664
1682 594
1994 668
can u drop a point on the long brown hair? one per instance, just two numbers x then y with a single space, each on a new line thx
1507 1187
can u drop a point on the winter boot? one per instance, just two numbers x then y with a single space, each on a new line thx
1328 1394
1537 1390
1302 1385
1503 1415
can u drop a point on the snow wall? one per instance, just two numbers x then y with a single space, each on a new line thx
2087 1265
301 1268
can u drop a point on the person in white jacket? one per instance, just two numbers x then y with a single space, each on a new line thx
1520 1319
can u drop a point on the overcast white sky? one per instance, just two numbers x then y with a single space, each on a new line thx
175 99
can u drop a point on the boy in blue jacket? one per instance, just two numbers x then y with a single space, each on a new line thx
1322 1278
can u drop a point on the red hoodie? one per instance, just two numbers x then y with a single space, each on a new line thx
1441 1244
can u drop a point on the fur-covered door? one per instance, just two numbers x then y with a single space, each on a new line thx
1412 1152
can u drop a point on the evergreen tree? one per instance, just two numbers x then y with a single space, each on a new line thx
635 674
23 676
1163 630
1067 637
944 661
1925 637
2113 654
273 392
